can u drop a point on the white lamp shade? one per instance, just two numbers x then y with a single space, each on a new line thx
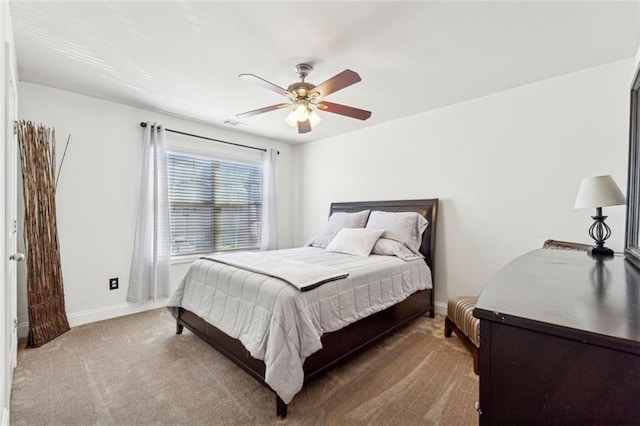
302 112
314 118
598 191
291 119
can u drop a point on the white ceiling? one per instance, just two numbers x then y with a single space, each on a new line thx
184 57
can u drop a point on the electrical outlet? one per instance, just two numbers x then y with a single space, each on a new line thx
113 284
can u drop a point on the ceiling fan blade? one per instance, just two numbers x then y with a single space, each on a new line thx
261 110
264 83
304 126
348 111
339 81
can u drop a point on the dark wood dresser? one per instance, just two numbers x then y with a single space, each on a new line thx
560 341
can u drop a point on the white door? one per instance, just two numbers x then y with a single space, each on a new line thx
11 257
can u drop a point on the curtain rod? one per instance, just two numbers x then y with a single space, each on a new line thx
143 124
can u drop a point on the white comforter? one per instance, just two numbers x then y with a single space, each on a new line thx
281 325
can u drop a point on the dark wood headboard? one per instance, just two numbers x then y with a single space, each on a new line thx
427 208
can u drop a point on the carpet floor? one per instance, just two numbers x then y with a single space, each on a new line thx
135 370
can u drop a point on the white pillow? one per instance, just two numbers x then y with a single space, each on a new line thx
336 222
404 227
356 241
394 248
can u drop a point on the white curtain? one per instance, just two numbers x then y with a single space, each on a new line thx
269 209
149 279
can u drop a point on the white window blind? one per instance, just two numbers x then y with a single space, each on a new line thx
215 204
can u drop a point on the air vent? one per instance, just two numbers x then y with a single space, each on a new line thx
232 122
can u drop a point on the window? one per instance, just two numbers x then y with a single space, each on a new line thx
214 204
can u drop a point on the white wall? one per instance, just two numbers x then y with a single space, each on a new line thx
506 168
96 195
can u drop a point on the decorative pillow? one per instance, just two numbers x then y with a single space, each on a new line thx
394 248
336 222
356 241
403 227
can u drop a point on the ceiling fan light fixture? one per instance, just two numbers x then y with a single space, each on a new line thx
304 96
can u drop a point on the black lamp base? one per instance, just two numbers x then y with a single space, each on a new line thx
599 231
601 251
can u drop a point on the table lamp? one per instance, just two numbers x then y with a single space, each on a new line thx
598 192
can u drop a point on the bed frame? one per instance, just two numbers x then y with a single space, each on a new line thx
341 344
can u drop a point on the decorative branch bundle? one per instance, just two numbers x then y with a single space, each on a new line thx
47 316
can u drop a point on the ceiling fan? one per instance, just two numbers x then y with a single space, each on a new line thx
304 96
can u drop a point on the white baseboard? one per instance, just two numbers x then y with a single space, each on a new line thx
93 315
441 308
5 417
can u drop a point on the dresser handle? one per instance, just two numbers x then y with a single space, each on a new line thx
477 406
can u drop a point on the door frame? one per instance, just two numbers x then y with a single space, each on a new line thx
8 231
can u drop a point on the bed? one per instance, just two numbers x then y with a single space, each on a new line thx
336 344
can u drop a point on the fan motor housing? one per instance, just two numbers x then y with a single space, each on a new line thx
300 89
